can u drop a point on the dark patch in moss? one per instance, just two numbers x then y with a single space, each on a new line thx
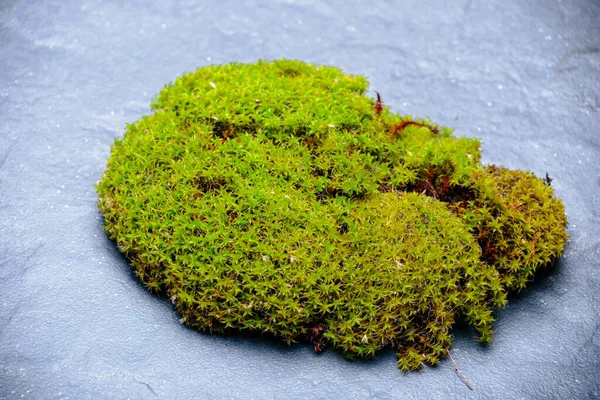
222 130
208 184
316 337
437 183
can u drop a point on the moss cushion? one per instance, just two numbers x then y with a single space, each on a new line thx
277 197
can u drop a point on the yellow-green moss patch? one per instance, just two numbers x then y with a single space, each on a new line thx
277 197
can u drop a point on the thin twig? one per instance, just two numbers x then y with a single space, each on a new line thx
378 105
460 375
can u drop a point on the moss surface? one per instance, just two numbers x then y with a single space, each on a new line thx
276 197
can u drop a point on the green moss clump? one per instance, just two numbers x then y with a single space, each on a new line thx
276 197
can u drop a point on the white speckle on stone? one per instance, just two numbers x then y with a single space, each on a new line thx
500 87
424 64
350 28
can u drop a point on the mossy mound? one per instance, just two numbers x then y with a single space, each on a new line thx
276 197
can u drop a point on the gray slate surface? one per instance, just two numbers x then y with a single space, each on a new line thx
524 76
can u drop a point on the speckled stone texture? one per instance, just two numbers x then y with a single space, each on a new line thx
524 76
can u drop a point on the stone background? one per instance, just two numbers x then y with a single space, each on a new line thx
524 76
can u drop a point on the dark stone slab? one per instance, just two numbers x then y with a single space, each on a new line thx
524 76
